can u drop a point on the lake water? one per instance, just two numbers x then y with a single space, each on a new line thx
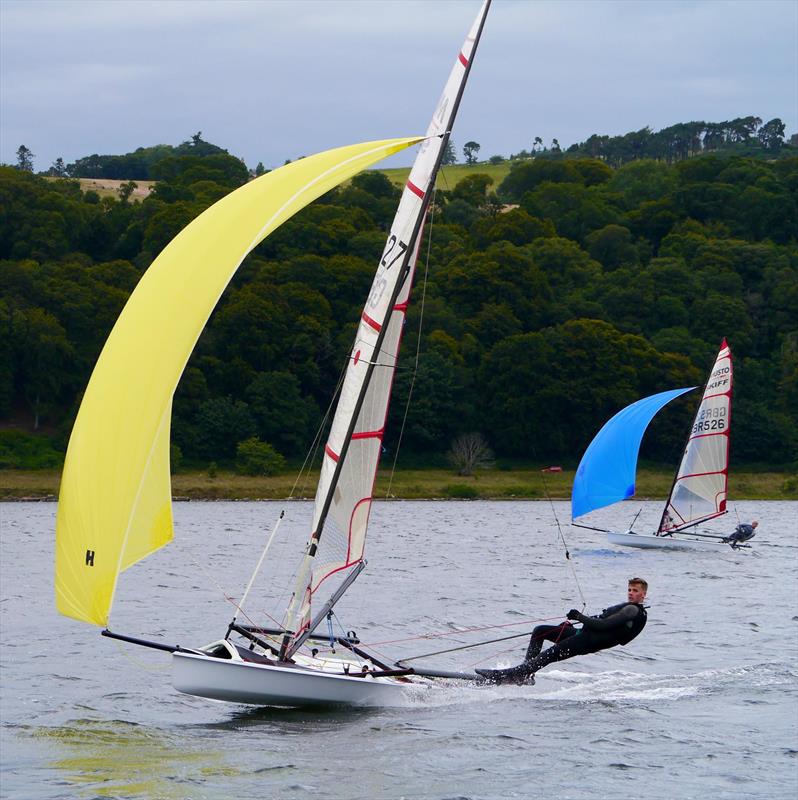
703 703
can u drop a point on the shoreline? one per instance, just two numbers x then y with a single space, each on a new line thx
408 484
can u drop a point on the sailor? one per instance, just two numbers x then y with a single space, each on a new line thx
615 625
742 533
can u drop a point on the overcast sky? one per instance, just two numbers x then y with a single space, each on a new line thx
275 79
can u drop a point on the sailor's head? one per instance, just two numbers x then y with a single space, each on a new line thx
754 523
636 592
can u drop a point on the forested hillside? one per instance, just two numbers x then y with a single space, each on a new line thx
549 302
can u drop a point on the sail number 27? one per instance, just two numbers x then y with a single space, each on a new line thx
394 250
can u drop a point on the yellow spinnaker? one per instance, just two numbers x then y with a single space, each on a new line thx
115 501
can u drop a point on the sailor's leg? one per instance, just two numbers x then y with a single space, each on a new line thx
551 633
519 674
577 644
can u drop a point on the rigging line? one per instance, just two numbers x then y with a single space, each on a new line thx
313 450
229 598
562 538
491 656
464 647
381 363
531 634
414 368
441 634
507 649
126 653
258 565
382 350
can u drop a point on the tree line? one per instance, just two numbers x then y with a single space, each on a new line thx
549 302
740 136
746 136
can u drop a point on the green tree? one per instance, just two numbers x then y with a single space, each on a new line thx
58 169
569 403
44 357
524 177
515 226
612 246
771 134
126 190
281 413
470 150
473 189
221 424
574 209
24 159
254 457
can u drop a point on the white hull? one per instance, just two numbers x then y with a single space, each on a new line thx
239 681
682 542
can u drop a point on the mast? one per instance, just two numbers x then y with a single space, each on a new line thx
410 215
407 263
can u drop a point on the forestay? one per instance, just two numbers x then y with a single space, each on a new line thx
344 493
606 473
699 490
115 499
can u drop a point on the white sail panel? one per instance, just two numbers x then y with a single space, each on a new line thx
347 512
699 491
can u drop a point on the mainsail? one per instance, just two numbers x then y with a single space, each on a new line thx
115 500
699 489
352 451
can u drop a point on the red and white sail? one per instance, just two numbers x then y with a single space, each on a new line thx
348 472
699 491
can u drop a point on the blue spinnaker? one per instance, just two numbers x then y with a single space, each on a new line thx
606 473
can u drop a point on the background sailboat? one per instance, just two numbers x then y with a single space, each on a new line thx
606 472
115 501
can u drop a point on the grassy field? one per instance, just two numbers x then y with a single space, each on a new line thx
425 484
450 176
107 187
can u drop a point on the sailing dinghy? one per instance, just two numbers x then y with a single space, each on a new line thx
606 473
115 500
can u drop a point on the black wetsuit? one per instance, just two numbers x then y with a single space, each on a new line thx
615 625
742 533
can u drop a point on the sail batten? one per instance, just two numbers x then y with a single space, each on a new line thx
115 497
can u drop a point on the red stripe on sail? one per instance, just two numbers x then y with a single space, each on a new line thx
401 307
369 321
349 537
331 453
463 60
704 435
702 474
413 188
369 434
315 589
727 393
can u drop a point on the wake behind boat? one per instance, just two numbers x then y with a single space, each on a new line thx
606 473
115 500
